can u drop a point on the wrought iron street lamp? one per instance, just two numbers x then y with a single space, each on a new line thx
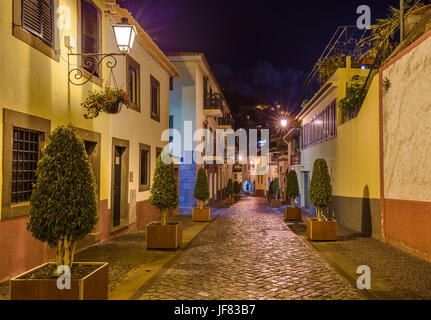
125 35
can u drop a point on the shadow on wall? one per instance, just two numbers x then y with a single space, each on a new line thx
366 213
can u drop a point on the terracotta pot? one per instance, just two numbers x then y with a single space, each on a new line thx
229 200
275 203
321 230
92 287
164 237
292 214
201 215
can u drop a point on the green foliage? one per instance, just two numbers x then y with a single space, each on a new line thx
320 188
164 191
230 190
274 187
104 101
292 187
355 95
202 189
384 31
63 204
327 66
237 187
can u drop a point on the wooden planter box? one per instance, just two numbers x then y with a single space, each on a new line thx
164 237
275 203
201 215
321 230
292 214
236 198
229 201
92 287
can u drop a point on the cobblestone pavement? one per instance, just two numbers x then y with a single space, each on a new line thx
248 253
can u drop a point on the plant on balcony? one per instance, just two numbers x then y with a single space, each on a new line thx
320 188
63 203
292 187
355 95
202 189
108 100
164 191
327 66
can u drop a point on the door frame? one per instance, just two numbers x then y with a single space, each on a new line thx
124 205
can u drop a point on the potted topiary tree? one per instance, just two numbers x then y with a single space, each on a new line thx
237 190
274 189
229 192
164 196
322 228
292 191
63 210
202 193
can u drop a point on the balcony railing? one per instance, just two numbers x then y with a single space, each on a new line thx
295 159
213 101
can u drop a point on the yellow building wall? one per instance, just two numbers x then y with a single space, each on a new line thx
357 150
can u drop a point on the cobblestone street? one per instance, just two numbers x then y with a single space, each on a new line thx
247 252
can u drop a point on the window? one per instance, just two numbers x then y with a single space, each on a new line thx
133 83
89 36
158 152
25 155
144 167
171 126
38 19
155 99
33 23
23 137
321 128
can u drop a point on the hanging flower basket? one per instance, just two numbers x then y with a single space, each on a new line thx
108 101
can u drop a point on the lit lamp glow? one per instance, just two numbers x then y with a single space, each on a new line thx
283 123
124 36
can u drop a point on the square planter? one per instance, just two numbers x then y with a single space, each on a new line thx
275 203
292 214
229 201
321 230
164 237
201 215
94 286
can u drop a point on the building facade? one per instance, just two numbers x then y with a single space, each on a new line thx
36 96
197 102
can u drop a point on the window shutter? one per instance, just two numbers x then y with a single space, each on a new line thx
38 19
89 35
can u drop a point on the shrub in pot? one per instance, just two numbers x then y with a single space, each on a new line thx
229 192
202 193
237 190
164 196
63 210
322 228
274 188
292 191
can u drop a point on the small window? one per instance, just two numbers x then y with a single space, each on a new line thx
133 83
155 99
25 155
89 36
144 167
158 152
38 19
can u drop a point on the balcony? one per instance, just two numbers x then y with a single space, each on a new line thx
295 159
213 105
226 122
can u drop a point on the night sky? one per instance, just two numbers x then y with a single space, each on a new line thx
257 49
